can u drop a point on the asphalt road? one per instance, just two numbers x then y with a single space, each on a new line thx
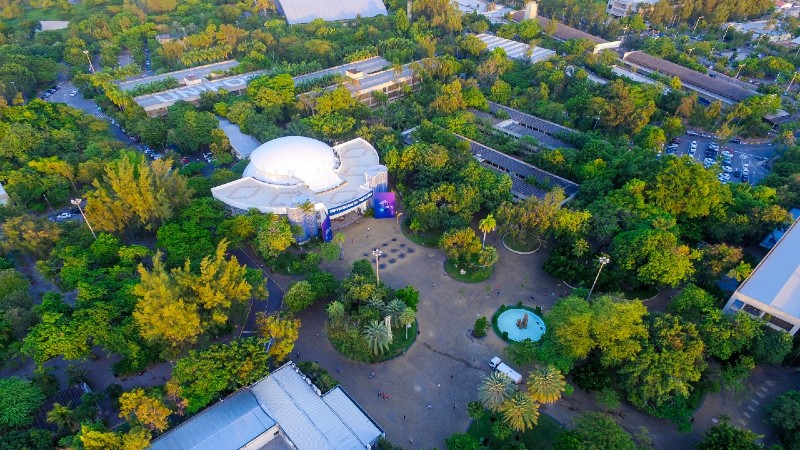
756 155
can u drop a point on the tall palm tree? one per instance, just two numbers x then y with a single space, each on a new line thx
407 318
378 337
339 239
487 225
494 390
520 412
61 416
546 384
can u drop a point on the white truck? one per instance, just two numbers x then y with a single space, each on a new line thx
498 365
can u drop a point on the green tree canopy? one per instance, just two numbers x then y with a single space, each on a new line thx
19 399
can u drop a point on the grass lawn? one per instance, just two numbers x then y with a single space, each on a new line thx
399 343
543 436
519 246
473 274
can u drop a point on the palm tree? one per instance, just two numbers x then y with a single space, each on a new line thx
407 318
61 416
545 385
740 272
487 225
377 337
494 390
520 412
339 239
395 308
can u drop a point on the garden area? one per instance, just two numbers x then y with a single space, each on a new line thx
541 437
372 322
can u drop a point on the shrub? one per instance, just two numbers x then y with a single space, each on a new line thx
505 335
318 375
479 330
607 398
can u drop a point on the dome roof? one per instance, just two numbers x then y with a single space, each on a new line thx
294 160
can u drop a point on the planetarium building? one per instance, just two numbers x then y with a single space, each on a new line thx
289 174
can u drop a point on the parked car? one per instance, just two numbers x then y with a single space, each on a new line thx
727 169
745 177
727 154
64 215
73 93
724 177
691 133
736 141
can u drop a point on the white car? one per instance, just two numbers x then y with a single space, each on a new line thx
724 177
73 93
64 215
745 169
709 161
727 154
691 133
727 169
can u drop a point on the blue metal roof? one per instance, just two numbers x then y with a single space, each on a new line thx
229 424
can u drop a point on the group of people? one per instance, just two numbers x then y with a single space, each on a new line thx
383 395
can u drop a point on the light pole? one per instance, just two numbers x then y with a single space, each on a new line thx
91 66
397 221
77 202
603 260
740 69
377 254
721 40
697 23
48 203
790 84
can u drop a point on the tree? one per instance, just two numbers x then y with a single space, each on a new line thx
272 93
204 376
495 389
409 295
784 413
545 385
685 189
378 338
771 347
462 441
653 256
19 399
30 235
274 237
669 362
725 436
335 310
460 245
487 225
450 99
299 296
62 417
139 407
329 251
323 284
595 431
282 332
520 412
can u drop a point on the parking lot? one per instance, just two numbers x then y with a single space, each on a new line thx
753 156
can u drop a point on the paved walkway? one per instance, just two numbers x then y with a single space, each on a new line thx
444 367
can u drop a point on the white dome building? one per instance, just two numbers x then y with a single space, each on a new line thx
287 172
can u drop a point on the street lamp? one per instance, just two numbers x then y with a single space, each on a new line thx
91 66
697 23
790 84
377 254
721 40
603 260
397 221
740 69
77 202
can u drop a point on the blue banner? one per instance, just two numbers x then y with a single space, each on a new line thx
349 205
384 205
327 230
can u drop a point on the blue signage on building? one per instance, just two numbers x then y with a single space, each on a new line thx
350 205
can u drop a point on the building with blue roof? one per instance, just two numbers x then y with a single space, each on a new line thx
281 411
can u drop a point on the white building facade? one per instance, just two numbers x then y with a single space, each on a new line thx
772 291
624 8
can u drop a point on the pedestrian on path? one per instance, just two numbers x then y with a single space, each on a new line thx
429 406
454 406
498 292
404 417
337 370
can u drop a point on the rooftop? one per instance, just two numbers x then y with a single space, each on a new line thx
304 11
532 122
694 78
199 72
356 158
243 144
776 279
514 49
285 398
563 32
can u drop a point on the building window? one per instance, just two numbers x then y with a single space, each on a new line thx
752 310
780 323
737 304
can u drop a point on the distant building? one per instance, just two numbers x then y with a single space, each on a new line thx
283 411
624 8
772 291
727 90
52 25
3 196
304 11
493 11
759 28
71 397
516 50
563 32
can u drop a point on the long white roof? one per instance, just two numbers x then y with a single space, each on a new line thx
307 420
776 280
514 49
304 11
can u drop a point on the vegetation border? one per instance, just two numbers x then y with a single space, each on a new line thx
414 328
454 274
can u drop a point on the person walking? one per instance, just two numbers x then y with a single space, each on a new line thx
429 406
